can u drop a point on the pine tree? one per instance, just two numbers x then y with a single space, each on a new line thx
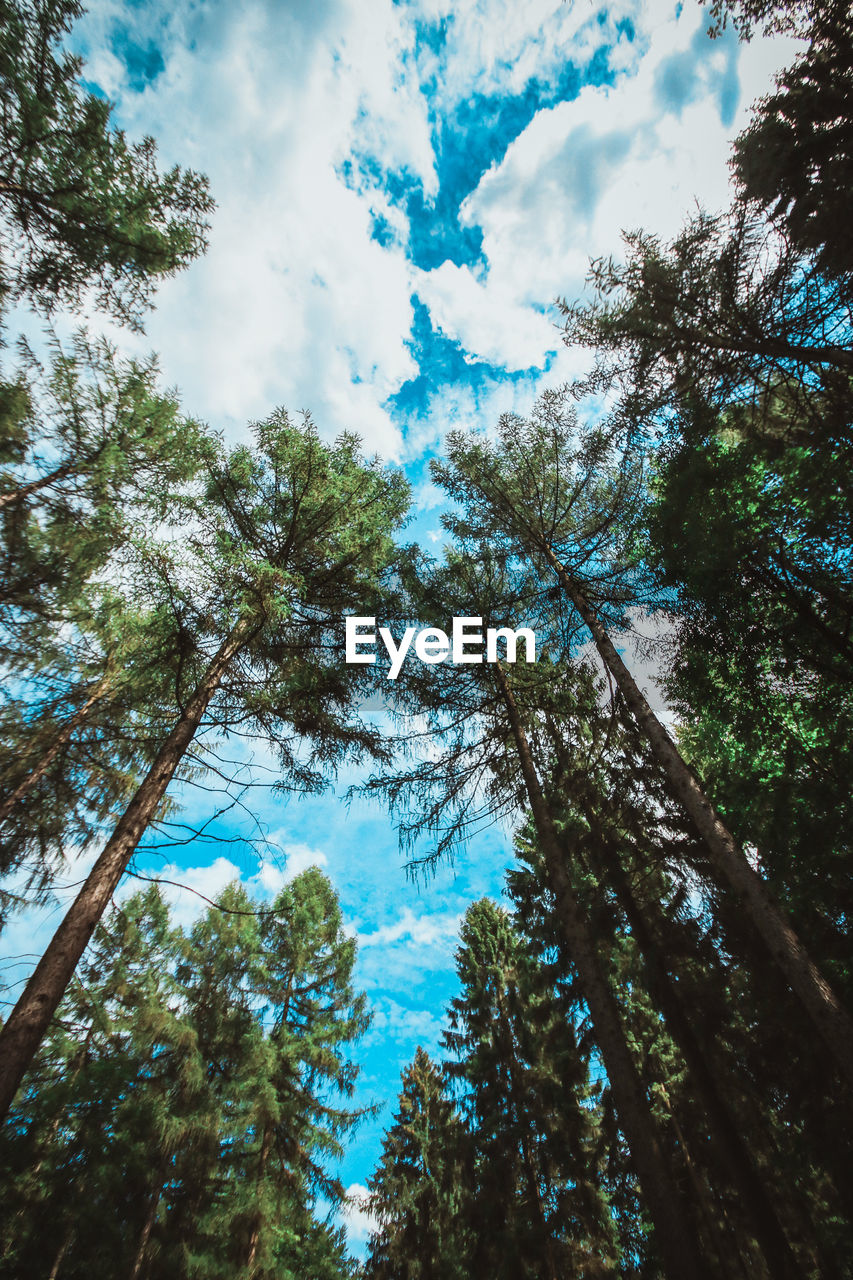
480 764
699 990
420 1188
290 536
538 1207
84 209
562 505
181 1116
795 159
82 659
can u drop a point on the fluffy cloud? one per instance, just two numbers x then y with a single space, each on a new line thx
190 890
422 931
311 119
638 153
359 1223
295 303
464 308
495 48
405 1025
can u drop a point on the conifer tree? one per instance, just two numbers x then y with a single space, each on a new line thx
420 1190
480 764
795 159
538 1208
560 505
290 536
84 210
181 1116
104 455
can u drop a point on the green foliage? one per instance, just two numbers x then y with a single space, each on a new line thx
96 453
182 1116
795 159
84 209
419 1190
538 1207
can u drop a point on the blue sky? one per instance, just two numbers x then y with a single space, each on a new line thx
403 190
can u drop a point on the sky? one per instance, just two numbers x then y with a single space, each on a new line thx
403 191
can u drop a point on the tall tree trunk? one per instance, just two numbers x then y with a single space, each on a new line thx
680 1251
764 912
63 736
22 1033
147 1228
64 1246
728 1253
726 1130
254 1239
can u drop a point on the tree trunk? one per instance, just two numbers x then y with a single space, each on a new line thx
765 914
729 1254
64 735
61 1252
725 1127
145 1233
28 1021
726 1131
254 1239
679 1249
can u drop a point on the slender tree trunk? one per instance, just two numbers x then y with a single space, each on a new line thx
64 1246
64 735
680 1251
255 1237
729 1254
726 1131
764 912
145 1233
28 1021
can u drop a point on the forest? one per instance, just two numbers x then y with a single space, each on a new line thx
648 1070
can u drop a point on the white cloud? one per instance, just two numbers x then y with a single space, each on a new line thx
408 1026
294 303
271 876
463 308
189 892
639 153
192 889
359 1223
423 931
494 48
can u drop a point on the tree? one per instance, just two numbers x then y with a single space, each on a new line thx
419 1190
795 158
84 209
793 17
290 536
538 1207
180 1119
697 993
479 763
102 455
757 584
560 506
